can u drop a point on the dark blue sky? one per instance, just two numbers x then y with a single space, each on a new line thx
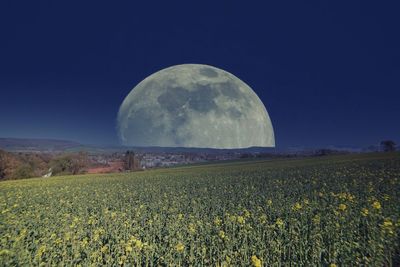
328 72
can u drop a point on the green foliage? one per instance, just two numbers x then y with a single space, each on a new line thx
69 164
341 210
22 165
24 171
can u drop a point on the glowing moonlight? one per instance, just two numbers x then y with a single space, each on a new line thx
194 105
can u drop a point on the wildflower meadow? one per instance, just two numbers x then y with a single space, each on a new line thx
327 211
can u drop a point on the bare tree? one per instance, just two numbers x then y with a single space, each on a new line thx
2 165
388 145
131 161
79 162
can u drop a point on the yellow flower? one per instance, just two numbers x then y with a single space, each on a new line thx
104 249
67 236
41 250
387 223
279 222
84 242
297 206
122 260
387 226
364 212
128 248
316 219
138 244
217 221
332 265
179 247
96 237
192 228
221 234
180 216
269 202
342 207
246 213
376 205
240 219
255 261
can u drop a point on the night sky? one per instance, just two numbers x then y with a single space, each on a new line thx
327 72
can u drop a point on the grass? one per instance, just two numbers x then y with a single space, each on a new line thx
336 210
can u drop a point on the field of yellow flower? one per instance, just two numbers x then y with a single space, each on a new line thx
330 211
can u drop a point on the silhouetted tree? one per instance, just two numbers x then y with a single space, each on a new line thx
79 162
131 161
2 166
323 152
388 145
327 151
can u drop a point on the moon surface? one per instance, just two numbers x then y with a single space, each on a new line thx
193 105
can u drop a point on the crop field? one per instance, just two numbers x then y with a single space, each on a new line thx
328 211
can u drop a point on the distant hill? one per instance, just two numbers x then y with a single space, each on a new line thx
39 145
54 145
198 150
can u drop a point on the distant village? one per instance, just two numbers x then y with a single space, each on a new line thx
117 161
46 158
34 163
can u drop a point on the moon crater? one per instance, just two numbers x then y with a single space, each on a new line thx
194 105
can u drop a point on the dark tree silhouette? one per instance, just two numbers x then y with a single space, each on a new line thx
388 145
2 165
131 161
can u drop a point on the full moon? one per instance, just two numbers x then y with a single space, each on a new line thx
193 105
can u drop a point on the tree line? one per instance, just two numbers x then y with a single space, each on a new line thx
26 165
